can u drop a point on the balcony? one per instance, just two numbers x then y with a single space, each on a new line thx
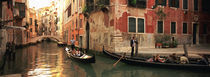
19 10
96 6
137 3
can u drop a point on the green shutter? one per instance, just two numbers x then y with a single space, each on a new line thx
185 4
160 27
196 5
170 3
140 25
132 24
164 3
185 28
173 27
177 3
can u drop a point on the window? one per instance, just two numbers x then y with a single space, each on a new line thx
80 23
76 24
185 4
132 24
137 3
173 27
160 27
205 5
205 29
184 28
174 3
136 25
161 2
196 5
69 10
30 21
140 25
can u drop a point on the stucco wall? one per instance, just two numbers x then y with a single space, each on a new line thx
101 34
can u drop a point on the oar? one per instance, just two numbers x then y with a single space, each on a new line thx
119 59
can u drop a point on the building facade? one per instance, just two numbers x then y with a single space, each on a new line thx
112 23
74 22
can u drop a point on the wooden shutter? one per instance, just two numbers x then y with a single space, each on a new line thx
177 4
173 27
164 2
170 3
185 4
185 28
196 5
160 27
132 24
140 25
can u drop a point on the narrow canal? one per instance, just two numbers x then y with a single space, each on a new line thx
47 60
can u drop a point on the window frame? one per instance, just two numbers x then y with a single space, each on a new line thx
136 25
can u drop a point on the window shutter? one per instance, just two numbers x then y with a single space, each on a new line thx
132 24
185 28
160 26
185 4
177 3
140 25
170 3
164 3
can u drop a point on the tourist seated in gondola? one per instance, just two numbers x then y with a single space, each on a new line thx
78 53
151 59
184 60
158 59
172 58
204 60
73 52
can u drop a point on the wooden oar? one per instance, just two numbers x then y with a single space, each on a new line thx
119 60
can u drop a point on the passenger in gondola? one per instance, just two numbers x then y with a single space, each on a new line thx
158 59
204 60
78 53
151 59
172 58
74 52
184 60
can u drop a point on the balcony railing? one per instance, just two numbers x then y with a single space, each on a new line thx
95 6
137 3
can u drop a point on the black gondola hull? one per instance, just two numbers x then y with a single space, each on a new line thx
132 61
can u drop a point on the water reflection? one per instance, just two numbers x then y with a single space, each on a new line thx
48 60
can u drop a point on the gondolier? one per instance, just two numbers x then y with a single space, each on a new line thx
132 43
72 44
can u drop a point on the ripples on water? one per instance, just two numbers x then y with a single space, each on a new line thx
48 60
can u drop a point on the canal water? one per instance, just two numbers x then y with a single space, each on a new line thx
46 59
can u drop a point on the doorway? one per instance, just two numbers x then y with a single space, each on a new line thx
87 35
195 26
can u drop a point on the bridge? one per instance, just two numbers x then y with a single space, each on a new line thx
39 38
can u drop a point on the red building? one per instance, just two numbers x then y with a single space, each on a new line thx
186 21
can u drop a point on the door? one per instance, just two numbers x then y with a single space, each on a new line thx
194 33
87 35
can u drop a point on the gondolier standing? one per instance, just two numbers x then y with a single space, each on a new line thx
72 44
132 43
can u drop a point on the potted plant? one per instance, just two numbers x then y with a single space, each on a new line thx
158 41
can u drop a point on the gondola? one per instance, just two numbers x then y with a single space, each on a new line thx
142 61
62 44
84 58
